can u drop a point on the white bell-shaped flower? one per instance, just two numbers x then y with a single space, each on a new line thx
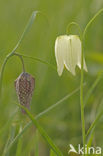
68 51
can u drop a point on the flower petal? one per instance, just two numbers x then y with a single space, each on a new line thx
84 65
79 51
71 56
68 51
60 47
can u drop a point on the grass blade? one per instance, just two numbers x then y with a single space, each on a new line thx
19 145
91 129
27 28
30 147
39 60
41 114
6 126
92 88
52 153
42 132
11 136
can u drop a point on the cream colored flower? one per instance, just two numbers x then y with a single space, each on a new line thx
68 51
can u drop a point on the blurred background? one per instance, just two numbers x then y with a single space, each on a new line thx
63 123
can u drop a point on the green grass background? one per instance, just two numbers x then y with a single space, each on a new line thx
63 123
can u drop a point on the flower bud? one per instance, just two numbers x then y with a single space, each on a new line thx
24 85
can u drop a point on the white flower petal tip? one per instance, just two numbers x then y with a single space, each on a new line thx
68 51
85 67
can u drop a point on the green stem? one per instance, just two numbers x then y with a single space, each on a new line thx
81 85
2 70
22 61
42 132
39 60
81 101
75 24
27 28
21 58
4 64
90 22
91 89
94 123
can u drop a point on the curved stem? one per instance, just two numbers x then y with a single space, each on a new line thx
4 64
2 70
27 28
21 58
90 22
77 25
81 84
39 60
22 61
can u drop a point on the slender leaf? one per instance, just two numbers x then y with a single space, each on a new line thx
43 113
91 129
11 136
19 145
42 132
39 60
6 126
27 28
99 77
52 153
30 146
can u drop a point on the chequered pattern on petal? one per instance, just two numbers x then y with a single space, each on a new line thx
24 85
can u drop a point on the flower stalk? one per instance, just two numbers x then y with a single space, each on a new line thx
4 64
82 77
2 70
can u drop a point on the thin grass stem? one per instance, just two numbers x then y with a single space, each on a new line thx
91 21
42 132
2 70
22 61
94 123
91 89
39 60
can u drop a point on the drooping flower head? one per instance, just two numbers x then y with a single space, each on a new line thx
68 51
24 85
